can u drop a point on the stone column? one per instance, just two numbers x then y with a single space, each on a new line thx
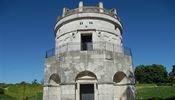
100 5
95 91
80 6
77 91
64 11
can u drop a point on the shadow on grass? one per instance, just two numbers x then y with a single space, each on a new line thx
156 98
6 97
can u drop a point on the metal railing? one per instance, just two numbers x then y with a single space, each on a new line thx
89 9
95 46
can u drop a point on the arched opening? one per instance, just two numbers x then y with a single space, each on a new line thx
119 77
85 75
54 79
86 85
53 89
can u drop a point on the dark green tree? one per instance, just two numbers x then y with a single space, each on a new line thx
173 70
151 74
35 82
23 82
1 90
140 74
172 74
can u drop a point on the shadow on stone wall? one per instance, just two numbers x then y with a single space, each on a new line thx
128 94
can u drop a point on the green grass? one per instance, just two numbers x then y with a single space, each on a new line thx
19 92
34 92
152 91
6 97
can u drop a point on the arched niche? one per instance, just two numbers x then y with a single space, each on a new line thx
54 79
86 81
119 76
86 75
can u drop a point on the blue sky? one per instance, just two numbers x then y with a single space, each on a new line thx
26 32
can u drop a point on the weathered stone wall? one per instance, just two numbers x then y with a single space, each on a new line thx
104 64
103 30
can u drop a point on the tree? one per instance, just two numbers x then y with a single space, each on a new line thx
23 83
35 82
140 73
151 74
42 82
172 74
173 70
1 90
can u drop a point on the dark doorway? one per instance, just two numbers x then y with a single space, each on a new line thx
86 91
86 41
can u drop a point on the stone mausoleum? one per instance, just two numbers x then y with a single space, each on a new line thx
89 61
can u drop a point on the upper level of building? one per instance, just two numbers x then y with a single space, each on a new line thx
97 12
89 9
88 28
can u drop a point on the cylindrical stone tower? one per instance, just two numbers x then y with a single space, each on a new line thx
89 61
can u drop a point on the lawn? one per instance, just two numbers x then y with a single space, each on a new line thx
19 92
153 92
6 97
34 92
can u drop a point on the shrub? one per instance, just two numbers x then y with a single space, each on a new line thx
164 84
1 90
3 85
155 98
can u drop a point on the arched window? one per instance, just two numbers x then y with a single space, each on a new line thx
54 79
86 75
119 76
86 85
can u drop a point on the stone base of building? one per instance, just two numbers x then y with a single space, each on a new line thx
96 92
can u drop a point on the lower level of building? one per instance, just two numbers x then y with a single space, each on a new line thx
89 75
89 90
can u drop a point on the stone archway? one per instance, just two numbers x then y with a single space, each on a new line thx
54 79
120 87
119 77
86 83
54 87
85 75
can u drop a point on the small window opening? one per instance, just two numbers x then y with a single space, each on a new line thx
86 41
81 23
90 22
